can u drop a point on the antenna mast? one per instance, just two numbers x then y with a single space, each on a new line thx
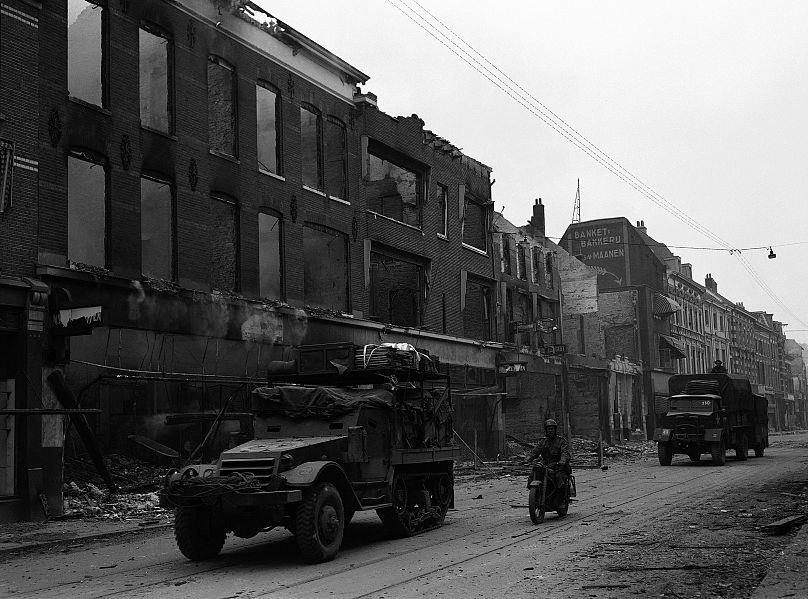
576 209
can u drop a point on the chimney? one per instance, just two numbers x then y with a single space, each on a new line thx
537 222
687 270
710 283
641 226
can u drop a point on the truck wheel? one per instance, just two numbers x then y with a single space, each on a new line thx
719 453
665 453
695 456
759 449
535 508
199 532
320 523
742 451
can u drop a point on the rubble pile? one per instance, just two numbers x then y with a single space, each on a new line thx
86 496
129 474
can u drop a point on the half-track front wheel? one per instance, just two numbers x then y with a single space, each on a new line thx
200 532
535 507
665 453
320 523
759 450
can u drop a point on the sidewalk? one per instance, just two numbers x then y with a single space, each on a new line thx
22 537
788 576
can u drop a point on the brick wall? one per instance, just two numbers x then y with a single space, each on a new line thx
20 35
618 312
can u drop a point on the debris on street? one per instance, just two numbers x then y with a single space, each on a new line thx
137 483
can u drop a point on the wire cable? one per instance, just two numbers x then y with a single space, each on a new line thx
538 109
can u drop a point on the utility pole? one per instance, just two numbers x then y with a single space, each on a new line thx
576 209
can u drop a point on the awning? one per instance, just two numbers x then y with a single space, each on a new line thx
663 305
676 347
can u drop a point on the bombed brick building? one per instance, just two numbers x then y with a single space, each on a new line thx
191 189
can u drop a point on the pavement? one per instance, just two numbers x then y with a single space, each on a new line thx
24 537
786 577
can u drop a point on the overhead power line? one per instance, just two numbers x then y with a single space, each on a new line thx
455 43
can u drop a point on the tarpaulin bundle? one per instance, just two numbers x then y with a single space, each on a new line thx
317 402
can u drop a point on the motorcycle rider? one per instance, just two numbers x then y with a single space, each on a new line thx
554 452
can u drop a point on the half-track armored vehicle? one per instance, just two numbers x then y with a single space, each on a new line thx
355 435
710 413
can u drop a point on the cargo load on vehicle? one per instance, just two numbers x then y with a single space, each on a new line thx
710 413
338 432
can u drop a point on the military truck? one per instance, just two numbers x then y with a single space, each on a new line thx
355 434
710 413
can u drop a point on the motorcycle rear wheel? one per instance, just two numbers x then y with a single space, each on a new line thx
535 507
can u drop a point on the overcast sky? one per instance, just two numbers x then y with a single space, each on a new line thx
706 103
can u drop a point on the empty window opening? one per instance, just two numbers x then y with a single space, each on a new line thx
221 107
477 313
521 262
224 244
85 54
475 230
156 229
155 94
548 272
267 107
270 265
506 254
336 163
537 276
443 207
394 190
86 210
396 290
325 268
524 315
312 174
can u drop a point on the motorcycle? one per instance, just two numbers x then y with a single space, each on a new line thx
546 495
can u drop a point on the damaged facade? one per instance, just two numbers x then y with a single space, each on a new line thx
179 221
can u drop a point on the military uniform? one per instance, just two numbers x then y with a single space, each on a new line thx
554 452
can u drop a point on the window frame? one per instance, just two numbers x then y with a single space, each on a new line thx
347 248
331 120
318 142
443 202
281 252
421 265
470 200
102 161
262 83
158 31
221 62
158 178
217 196
105 69
403 162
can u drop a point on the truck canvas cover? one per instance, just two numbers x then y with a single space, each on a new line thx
735 391
317 402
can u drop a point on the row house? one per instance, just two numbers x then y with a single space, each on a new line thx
717 323
198 188
709 327
529 296
633 304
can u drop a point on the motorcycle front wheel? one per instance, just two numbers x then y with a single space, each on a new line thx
535 507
